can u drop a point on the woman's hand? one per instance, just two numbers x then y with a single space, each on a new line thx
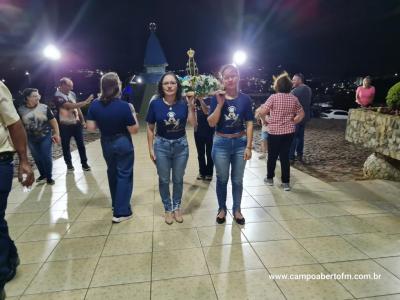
56 139
247 153
220 95
191 101
262 111
152 156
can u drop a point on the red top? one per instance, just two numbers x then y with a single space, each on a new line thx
283 108
365 95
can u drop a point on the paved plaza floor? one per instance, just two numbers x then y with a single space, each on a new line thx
69 248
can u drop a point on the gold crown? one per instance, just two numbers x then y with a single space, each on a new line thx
190 53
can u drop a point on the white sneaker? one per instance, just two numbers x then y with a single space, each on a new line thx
120 219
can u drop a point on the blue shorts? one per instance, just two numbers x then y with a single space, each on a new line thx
264 135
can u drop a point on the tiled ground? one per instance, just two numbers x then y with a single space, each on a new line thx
70 250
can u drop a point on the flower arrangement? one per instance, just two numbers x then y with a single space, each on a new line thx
200 85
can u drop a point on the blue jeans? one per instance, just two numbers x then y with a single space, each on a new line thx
68 131
298 142
229 152
8 251
42 154
171 155
118 153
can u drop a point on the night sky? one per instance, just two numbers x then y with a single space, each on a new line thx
316 37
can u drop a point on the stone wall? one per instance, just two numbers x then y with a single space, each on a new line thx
380 132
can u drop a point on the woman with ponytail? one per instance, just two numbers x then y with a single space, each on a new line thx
116 120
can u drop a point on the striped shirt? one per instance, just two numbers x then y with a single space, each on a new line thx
283 108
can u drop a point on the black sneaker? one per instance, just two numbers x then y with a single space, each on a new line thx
40 179
70 168
50 181
86 167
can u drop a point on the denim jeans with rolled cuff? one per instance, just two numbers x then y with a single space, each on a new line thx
171 156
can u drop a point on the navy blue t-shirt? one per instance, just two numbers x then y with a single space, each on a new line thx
234 114
112 118
203 129
170 120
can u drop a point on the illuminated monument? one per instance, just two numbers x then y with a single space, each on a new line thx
145 85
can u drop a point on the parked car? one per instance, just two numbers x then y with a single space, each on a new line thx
334 114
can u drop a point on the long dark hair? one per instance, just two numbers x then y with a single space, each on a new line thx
110 87
179 86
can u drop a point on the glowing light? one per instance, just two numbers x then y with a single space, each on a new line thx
3 80
240 57
139 80
27 73
51 52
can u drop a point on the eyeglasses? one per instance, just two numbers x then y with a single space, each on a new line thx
169 82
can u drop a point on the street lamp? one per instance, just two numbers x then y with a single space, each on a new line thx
51 52
239 57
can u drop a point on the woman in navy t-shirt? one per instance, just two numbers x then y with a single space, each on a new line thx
166 136
116 120
231 114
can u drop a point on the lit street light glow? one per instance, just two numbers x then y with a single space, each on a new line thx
51 52
240 57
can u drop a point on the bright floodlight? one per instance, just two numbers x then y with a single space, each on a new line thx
239 58
51 52
139 80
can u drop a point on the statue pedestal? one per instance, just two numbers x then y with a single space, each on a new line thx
381 133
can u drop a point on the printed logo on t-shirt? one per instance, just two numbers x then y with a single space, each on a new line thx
171 120
231 116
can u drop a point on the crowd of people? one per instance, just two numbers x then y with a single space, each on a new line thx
223 133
